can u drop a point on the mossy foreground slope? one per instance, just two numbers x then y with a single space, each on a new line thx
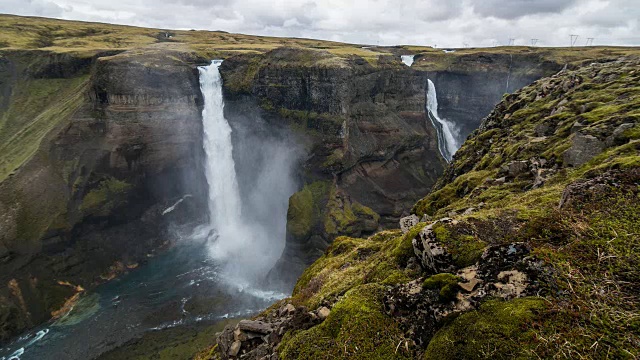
546 194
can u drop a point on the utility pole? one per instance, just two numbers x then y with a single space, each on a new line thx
534 42
574 38
466 45
512 42
589 42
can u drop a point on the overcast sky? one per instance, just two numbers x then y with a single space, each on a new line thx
445 23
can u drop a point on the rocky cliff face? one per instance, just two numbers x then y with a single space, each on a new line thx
122 147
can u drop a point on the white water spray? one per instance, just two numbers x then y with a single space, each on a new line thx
247 216
407 59
447 132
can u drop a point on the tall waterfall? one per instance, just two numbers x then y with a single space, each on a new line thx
249 171
447 132
224 196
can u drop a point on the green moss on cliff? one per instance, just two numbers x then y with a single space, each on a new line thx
357 328
450 194
306 208
350 262
36 107
464 248
105 197
498 330
588 242
344 217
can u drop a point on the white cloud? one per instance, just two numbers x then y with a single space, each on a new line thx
31 7
425 22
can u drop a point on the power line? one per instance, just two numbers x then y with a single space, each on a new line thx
574 38
589 41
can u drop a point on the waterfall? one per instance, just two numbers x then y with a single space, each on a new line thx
232 240
407 59
447 132
250 180
224 196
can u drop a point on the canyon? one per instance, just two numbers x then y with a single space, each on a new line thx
105 154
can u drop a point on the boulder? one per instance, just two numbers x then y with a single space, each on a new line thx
583 148
288 309
235 348
323 312
515 168
239 335
618 137
255 326
432 256
407 222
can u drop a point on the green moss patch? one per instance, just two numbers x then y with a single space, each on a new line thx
445 283
36 107
465 249
109 194
357 328
498 330
306 208
351 262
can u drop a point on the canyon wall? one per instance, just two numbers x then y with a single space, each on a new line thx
123 143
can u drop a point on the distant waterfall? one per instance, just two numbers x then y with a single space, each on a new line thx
407 59
447 132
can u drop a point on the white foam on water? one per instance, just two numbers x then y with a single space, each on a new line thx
16 354
39 335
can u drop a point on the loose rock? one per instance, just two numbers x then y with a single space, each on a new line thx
406 223
583 149
255 326
323 312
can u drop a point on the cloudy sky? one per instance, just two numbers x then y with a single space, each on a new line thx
445 23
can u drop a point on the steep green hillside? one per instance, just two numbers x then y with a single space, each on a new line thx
538 256
34 107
